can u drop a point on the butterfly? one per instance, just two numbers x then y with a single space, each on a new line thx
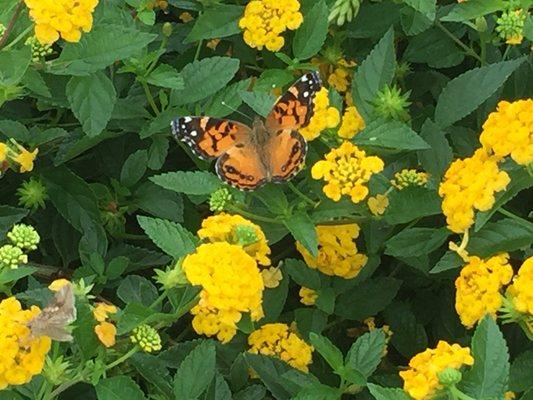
54 318
269 151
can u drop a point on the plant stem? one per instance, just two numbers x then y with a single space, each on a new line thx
150 98
61 388
457 394
468 50
18 38
120 360
11 25
159 300
198 49
254 216
298 193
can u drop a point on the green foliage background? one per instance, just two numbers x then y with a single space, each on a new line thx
125 198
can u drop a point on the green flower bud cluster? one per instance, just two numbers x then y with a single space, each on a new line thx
245 235
11 257
24 237
344 11
32 194
147 338
390 103
409 177
171 277
510 26
38 51
219 199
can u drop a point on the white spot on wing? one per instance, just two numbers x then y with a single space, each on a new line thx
187 119
194 133
306 94
305 78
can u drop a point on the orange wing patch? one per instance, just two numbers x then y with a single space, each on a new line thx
286 152
242 168
209 137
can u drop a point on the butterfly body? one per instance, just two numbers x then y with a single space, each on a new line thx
269 151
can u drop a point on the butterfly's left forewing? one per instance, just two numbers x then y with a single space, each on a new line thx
209 137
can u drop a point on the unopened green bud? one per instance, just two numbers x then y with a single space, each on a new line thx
2 29
167 29
510 26
390 103
481 24
24 236
449 376
147 338
219 199
12 256
171 277
56 371
245 235
344 11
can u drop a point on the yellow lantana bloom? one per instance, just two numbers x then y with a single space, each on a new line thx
346 170
264 21
277 340
352 123
478 288
106 333
521 290
421 380
337 251
61 18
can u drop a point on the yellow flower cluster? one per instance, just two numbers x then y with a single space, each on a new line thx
378 204
265 20
509 131
409 177
231 285
478 288
352 123
19 155
277 340
521 290
470 184
323 117
21 355
105 330
337 70
337 251
225 228
346 170
421 380
307 296
65 18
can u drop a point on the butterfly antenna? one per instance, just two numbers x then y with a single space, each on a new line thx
235 110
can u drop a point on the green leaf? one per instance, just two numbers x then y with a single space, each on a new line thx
13 65
100 48
435 160
410 336
435 48
218 21
311 35
425 7
310 320
414 22
414 242
195 372
14 130
169 236
204 78
326 300
157 153
504 235
328 350
468 91
472 9
365 354
274 301
92 99
83 332
260 102
154 371
302 274
134 168
382 393
13 275
194 183
410 203
159 202
227 100
9 216
134 288
487 378
390 134
117 388
33 81
450 260
303 230
371 297
165 76
374 73
520 180
521 373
